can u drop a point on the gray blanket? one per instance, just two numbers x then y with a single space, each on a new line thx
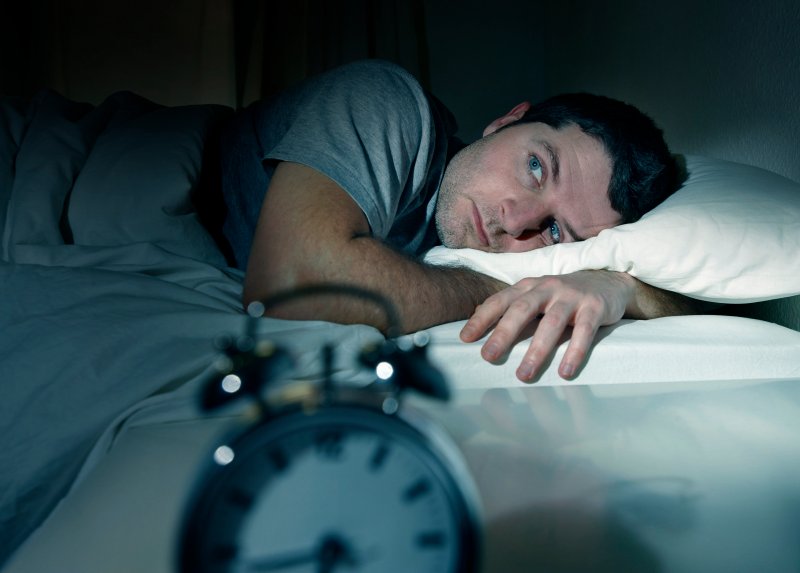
111 288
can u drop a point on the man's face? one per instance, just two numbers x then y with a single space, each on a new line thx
524 187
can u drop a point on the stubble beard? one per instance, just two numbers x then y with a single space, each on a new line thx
457 176
445 220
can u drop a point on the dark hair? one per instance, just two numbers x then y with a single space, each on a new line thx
643 172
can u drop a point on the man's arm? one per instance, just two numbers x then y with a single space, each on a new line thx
311 232
585 300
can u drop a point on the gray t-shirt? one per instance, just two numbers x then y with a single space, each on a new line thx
368 126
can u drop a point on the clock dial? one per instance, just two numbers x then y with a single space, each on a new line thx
344 489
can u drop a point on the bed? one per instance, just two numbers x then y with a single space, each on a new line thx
675 448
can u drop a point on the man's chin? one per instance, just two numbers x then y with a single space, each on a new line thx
474 247
451 241
446 239
483 248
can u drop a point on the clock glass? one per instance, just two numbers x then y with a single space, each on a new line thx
341 489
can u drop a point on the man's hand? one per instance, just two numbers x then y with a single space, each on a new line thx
585 300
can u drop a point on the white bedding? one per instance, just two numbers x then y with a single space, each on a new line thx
679 348
109 334
90 349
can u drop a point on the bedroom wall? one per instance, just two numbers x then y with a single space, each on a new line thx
722 78
484 60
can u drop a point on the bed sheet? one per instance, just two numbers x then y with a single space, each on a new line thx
81 344
95 340
669 349
90 335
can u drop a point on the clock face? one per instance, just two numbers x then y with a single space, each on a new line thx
342 489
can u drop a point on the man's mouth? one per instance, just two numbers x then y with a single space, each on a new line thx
483 239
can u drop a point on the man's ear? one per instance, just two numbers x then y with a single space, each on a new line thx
514 115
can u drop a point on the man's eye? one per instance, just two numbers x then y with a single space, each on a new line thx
536 168
555 232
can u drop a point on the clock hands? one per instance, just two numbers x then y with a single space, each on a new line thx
333 552
329 555
283 561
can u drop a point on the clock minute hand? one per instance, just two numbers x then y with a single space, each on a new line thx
286 560
330 553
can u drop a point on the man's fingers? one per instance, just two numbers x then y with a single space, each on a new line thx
583 333
584 300
521 312
484 318
547 336
488 313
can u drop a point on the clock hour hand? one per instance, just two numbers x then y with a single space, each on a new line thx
328 555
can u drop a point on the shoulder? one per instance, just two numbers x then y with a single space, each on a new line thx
375 71
378 81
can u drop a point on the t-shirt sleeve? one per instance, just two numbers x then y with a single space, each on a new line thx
367 126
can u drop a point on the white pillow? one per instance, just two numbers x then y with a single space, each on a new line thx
731 234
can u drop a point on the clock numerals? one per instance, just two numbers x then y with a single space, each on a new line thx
329 445
416 490
312 494
430 540
279 459
379 456
240 498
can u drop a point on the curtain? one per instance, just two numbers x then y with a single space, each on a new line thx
199 51
177 52
280 43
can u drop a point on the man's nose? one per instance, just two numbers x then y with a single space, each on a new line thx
520 216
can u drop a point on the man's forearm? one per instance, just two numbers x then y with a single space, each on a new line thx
423 295
312 233
652 302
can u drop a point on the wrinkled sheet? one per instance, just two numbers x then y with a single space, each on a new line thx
98 341
82 346
79 345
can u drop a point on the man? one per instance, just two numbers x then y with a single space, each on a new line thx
341 180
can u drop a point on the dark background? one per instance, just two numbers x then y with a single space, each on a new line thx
721 77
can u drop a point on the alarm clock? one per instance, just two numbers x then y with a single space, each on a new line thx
330 478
